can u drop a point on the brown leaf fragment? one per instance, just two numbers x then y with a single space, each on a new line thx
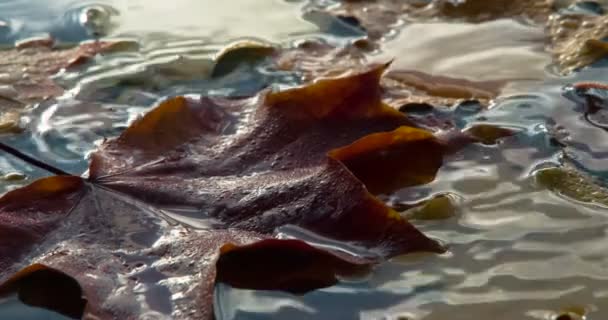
393 150
38 286
307 268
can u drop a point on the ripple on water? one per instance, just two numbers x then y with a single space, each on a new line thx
505 50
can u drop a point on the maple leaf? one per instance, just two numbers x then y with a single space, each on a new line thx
203 183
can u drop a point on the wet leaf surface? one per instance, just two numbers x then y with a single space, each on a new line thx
198 177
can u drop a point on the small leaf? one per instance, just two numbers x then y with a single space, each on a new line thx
240 53
437 208
487 133
572 184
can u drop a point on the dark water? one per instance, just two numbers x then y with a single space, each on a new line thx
517 250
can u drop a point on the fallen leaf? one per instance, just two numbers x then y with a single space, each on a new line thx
198 176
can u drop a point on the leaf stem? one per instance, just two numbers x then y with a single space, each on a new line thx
33 161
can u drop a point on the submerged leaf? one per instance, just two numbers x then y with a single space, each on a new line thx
437 208
572 184
240 53
10 121
193 176
487 133
28 68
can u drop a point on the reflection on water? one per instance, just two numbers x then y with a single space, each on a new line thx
517 251
497 50
12 308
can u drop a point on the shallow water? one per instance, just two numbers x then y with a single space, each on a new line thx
72 20
517 250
